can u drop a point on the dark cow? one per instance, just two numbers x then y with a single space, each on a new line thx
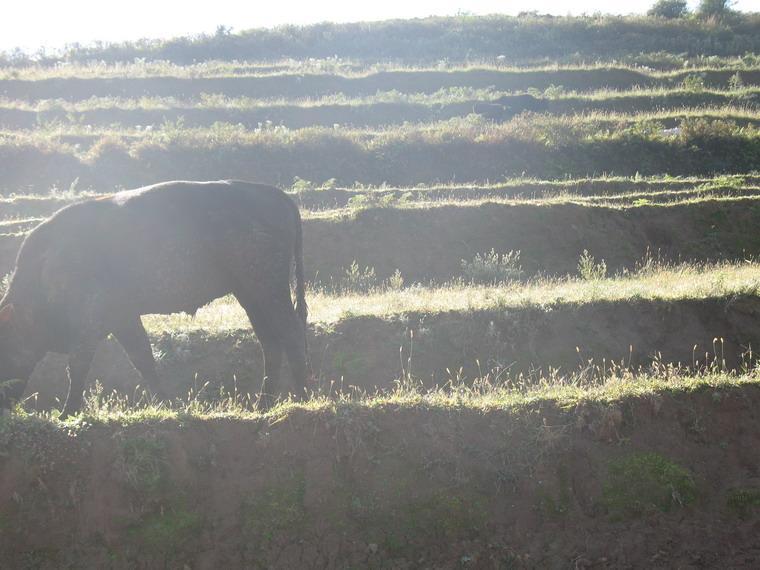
507 106
95 267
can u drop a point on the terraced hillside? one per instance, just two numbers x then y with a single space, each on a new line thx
527 328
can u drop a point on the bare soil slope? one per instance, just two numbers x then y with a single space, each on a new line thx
661 481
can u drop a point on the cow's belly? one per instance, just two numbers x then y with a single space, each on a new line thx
179 287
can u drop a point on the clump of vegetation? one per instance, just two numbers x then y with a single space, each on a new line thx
643 482
743 501
694 83
357 279
716 9
589 269
493 267
142 463
166 533
668 9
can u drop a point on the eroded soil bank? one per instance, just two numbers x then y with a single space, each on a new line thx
659 481
429 244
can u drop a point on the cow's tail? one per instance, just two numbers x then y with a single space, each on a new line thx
301 309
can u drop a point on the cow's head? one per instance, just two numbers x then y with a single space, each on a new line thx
17 353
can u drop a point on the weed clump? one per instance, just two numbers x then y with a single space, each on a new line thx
645 482
493 267
743 501
589 269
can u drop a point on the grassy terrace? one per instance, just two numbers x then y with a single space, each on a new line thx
562 391
122 122
411 80
328 201
462 149
349 69
550 231
557 97
649 283
546 130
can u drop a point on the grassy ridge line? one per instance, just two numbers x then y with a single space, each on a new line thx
360 202
564 392
654 283
546 128
325 206
319 85
441 97
313 198
455 38
337 68
457 150
374 115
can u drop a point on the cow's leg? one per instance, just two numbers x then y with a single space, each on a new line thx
131 334
270 345
292 336
80 360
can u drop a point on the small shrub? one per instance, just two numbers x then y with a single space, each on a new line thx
589 269
493 267
358 280
735 82
395 282
328 184
693 82
299 184
372 200
554 91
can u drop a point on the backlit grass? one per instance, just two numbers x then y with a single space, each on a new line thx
651 282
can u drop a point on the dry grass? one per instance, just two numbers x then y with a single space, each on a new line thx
652 282
340 67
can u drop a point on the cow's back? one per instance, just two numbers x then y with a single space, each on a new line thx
165 248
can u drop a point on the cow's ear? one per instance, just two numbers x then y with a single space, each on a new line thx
7 314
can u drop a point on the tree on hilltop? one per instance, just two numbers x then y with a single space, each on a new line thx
670 9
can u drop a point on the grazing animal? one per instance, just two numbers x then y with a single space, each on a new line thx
507 106
96 266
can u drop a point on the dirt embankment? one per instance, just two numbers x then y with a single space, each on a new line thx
664 481
371 353
429 244
122 162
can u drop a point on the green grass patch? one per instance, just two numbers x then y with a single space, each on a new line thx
644 482
168 532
